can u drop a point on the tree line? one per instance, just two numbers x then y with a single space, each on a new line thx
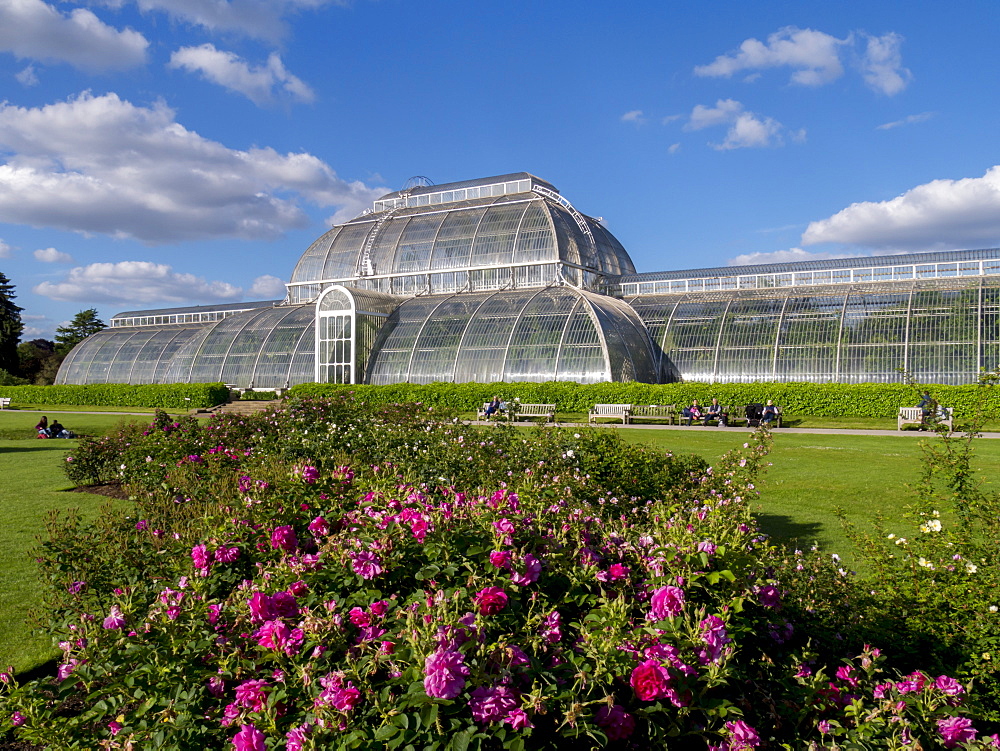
36 361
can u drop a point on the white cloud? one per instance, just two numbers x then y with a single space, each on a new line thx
746 129
749 131
814 56
724 111
817 58
226 69
267 287
259 19
35 30
674 148
785 256
5 250
51 255
909 120
103 165
633 116
936 215
882 64
135 282
27 76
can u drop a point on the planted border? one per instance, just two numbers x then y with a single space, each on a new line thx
164 396
818 399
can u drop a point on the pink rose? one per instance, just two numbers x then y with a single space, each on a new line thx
666 602
490 600
616 723
650 680
283 538
249 739
319 526
444 674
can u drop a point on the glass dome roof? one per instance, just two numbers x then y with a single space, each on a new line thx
509 221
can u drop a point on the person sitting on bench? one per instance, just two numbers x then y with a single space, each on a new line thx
714 412
495 406
769 414
693 412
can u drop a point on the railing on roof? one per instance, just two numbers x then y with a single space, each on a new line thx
859 275
454 194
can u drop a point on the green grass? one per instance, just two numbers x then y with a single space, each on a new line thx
814 474
18 424
33 484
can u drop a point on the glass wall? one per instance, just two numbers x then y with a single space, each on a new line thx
264 349
937 330
126 354
558 333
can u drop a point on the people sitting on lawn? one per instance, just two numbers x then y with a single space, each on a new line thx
693 412
769 414
494 407
43 427
714 412
56 430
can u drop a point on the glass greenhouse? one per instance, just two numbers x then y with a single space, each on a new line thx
502 279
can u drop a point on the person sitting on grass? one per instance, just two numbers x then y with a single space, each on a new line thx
770 413
56 430
43 427
714 412
693 412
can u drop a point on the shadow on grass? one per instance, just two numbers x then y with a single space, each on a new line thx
48 447
785 530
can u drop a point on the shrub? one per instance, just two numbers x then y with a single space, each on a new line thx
164 396
819 399
289 591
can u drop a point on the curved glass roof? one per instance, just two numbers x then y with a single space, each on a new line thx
937 331
130 354
551 334
265 349
535 226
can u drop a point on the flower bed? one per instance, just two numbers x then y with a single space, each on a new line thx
332 576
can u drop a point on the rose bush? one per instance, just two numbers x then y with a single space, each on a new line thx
338 577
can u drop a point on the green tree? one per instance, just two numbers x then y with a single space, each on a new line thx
10 326
84 323
39 361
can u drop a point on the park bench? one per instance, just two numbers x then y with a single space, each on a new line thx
915 416
666 412
519 411
4 402
481 412
753 420
621 412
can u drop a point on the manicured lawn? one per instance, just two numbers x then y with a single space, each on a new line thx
814 474
18 424
33 485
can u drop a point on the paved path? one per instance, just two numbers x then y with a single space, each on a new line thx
776 431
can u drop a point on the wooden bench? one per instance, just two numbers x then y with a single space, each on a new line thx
4 402
481 412
621 412
666 412
776 422
518 411
915 416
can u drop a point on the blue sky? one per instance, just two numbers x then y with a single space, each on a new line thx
172 152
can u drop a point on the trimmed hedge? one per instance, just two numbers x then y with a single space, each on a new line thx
165 396
818 399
